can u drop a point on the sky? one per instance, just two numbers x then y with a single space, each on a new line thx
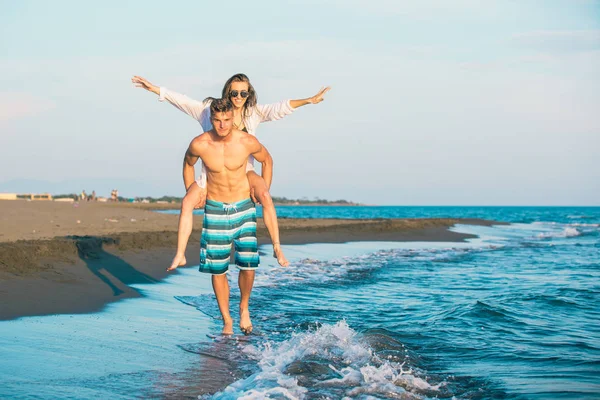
463 102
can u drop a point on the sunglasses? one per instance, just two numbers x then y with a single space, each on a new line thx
243 93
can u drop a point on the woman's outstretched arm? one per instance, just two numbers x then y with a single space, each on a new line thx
316 99
191 107
275 111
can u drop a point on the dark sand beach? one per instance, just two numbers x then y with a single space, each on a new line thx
71 258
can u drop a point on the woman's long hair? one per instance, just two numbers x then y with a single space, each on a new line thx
252 99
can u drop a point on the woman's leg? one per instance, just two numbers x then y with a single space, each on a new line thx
194 198
258 185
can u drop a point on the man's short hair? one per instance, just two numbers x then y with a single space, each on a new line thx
220 105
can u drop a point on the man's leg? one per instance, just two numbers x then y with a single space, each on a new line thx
245 282
221 288
215 247
258 185
247 258
194 198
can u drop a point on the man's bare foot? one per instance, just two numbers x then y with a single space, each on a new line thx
178 261
278 254
245 323
227 327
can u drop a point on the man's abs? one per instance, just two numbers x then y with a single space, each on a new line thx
228 187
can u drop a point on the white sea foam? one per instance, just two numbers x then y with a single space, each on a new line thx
570 232
333 269
360 372
309 269
544 230
555 224
566 232
579 216
585 225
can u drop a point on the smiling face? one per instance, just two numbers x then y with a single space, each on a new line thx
239 89
240 85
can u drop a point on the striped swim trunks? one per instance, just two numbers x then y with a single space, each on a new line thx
226 224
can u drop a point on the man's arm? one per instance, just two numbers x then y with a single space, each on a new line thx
190 159
262 155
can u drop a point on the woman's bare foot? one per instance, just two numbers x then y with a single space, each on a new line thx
278 254
227 327
178 261
245 323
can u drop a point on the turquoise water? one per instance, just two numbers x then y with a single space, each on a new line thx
506 214
512 314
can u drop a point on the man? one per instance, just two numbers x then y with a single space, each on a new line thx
229 213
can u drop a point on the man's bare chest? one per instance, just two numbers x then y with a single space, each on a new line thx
220 157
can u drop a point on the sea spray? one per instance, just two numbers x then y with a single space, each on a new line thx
334 361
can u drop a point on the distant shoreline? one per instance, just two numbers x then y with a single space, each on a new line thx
173 200
177 206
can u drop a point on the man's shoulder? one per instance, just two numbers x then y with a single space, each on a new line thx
203 137
201 140
250 142
245 137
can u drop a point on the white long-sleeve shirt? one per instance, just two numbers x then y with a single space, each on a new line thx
200 111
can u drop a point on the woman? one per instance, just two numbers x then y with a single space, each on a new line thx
247 115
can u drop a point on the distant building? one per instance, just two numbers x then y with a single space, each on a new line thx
8 196
25 196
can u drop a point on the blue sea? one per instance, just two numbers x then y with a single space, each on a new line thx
513 314
504 214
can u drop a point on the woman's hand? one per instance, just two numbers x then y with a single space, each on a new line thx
138 81
317 98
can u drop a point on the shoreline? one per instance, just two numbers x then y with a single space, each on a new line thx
93 261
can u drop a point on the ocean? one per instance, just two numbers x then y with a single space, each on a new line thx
496 213
511 314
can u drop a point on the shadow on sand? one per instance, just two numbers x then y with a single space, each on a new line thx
99 261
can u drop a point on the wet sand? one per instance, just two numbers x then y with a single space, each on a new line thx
75 258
